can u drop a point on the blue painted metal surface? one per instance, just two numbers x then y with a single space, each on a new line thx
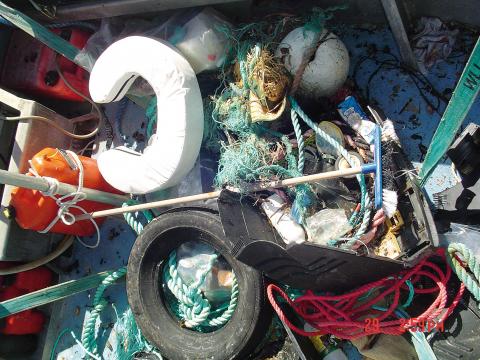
393 91
397 95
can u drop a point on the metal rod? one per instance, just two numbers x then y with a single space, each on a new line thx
40 184
89 10
398 29
216 194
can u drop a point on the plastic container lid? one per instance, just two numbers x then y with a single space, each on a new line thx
342 163
334 131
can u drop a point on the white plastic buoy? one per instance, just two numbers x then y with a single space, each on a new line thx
172 151
328 70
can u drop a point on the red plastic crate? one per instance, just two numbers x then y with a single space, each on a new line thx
33 280
23 323
29 67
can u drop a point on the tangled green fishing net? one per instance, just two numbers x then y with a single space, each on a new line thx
129 340
247 160
253 152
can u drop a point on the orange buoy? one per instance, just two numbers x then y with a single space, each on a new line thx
35 211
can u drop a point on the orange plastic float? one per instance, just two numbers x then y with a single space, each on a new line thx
35 211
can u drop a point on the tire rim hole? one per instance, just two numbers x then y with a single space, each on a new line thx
199 287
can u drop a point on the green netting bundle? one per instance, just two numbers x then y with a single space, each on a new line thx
230 112
247 160
254 152
129 339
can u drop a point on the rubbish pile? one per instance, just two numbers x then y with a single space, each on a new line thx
313 211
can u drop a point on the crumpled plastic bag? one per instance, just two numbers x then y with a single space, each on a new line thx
327 224
433 42
193 260
196 34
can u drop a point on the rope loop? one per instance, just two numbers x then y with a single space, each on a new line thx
53 184
68 201
467 267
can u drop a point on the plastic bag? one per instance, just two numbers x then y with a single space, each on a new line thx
111 30
327 224
193 259
196 34
203 44
465 234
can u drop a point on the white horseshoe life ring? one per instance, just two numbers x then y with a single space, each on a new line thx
173 150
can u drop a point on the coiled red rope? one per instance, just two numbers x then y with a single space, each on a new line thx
350 316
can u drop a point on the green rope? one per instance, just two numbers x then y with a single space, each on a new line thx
132 218
151 115
89 340
194 308
300 142
57 340
470 262
365 204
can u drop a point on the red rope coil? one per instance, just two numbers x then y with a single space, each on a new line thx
347 316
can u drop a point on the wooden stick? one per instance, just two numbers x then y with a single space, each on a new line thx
216 194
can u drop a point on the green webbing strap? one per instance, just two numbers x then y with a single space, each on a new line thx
457 109
41 33
51 294
57 44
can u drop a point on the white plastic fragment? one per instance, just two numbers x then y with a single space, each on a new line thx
282 221
327 224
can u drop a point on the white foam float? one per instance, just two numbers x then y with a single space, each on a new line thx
172 151
328 69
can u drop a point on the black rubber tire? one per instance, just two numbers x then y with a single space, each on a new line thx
237 338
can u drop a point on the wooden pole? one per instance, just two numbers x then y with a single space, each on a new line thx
216 194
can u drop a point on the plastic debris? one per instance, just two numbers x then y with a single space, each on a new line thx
281 219
433 42
327 224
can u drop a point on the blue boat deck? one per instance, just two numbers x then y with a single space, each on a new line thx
390 89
